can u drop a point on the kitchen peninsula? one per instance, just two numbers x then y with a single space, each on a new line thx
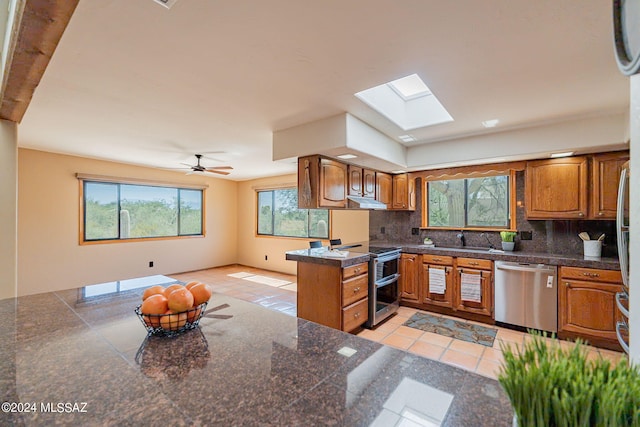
247 365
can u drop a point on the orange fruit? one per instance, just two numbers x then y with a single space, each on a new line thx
153 321
193 314
172 288
191 284
155 304
173 321
201 293
180 300
157 289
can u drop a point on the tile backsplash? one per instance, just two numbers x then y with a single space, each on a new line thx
556 237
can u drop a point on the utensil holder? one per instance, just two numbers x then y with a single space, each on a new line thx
592 248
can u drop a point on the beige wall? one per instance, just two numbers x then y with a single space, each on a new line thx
348 225
8 208
49 256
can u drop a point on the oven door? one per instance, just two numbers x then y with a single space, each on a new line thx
384 299
385 268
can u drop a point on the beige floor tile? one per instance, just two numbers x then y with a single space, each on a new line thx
512 336
488 369
387 327
407 311
467 347
492 355
396 320
427 350
436 339
461 360
376 336
613 356
408 332
398 341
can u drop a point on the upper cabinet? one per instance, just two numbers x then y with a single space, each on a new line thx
566 189
556 188
362 182
322 183
384 188
605 176
404 192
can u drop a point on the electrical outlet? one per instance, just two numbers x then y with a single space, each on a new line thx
266 258
526 235
382 230
415 231
150 263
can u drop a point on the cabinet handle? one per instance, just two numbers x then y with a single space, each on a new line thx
580 213
437 259
567 284
357 270
590 274
600 213
356 315
356 290
474 263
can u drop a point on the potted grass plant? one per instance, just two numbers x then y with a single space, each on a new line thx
508 238
551 386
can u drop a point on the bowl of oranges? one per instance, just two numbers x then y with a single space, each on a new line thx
172 310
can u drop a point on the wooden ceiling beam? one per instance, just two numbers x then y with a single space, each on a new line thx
41 27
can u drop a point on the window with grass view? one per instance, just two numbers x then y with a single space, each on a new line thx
115 211
469 202
278 215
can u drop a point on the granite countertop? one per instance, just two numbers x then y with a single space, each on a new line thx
515 256
322 256
247 366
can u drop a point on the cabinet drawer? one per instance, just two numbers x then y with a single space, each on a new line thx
354 289
355 315
355 270
437 259
481 264
591 274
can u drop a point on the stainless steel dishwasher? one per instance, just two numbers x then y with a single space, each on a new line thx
526 295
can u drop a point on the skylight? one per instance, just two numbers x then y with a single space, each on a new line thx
408 102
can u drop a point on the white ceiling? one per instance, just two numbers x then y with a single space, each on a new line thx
134 82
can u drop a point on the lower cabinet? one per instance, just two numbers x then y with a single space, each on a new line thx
437 280
587 305
333 296
409 281
474 286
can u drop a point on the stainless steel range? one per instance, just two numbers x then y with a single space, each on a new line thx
384 294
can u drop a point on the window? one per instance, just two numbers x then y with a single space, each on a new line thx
474 202
117 211
278 215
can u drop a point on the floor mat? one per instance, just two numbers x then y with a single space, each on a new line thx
453 328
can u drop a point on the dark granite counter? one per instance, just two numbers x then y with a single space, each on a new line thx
246 366
515 256
323 256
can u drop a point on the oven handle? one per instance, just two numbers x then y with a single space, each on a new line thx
385 258
385 282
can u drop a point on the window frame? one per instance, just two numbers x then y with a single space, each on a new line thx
448 175
272 235
82 178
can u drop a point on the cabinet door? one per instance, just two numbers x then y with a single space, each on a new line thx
464 302
355 180
410 277
400 192
333 184
556 188
384 188
369 183
588 308
605 175
437 298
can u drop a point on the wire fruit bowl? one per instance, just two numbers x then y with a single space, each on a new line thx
171 324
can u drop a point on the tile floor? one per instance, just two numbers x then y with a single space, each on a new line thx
282 297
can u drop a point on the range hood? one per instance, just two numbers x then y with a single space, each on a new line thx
357 202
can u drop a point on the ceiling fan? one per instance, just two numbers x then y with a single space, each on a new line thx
198 168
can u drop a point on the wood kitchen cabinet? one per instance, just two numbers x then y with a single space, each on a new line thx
384 188
403 192
362 182
409 281
468 272
322 183
605 175
333 296
587 305
444 264
556 188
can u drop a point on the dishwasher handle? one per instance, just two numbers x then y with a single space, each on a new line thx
519 267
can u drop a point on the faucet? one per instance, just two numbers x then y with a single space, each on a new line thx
460 236
487 237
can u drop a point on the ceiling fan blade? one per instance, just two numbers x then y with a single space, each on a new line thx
219 167
216 171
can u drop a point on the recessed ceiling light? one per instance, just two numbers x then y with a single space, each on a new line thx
166 3
347 156
565 154
490 123
407 138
